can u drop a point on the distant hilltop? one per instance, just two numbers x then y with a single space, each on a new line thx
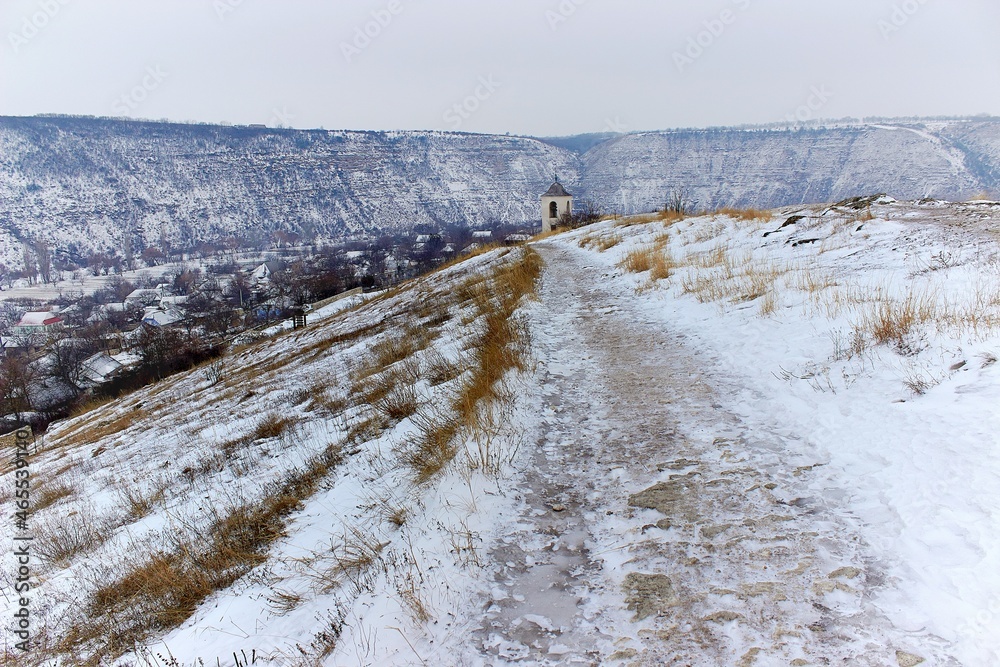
112 182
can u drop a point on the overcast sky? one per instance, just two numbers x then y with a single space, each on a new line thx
541 67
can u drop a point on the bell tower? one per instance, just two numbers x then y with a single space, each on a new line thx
556 204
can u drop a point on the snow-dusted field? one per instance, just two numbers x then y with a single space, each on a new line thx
740 440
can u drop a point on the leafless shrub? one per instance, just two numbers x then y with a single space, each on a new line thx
215 371
59 540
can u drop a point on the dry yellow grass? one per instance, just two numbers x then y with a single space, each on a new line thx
160 592
656 259
666 217
50 494
745 214
90 431
639 260
606 243
500 348
269 426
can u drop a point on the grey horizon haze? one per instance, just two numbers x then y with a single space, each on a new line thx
535 67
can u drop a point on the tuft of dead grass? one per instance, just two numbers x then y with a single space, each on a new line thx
745 214
162 591
90 431
398 404
601 243
666 217
502 346
50 494
655 259
268 427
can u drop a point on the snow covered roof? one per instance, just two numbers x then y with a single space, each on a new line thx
161 317
482 234
100 367
557 190
140 294
39 319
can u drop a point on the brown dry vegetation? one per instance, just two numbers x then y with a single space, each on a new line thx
162 591
87 433
501 347
269 426
150 594
666 217
745 214
50 494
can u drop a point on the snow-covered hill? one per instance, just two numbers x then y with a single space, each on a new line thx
96 184
743 438
768 168
86 183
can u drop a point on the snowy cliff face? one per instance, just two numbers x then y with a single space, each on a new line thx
768 168
89 184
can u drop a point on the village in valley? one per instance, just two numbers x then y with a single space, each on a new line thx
72 332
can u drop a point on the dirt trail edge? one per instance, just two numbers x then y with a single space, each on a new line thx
656 530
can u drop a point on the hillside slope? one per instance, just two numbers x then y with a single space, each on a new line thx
260 503
741 438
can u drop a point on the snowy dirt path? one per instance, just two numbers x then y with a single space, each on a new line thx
656 530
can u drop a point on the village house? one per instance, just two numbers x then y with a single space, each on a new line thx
37 323
31 332
264 272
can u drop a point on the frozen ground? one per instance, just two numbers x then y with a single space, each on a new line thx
729 541
780 450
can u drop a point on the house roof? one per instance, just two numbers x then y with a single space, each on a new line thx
557 190
39 319
142 293
161 317
100 366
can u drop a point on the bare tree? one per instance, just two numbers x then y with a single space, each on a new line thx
119 288
30 265
7 276
16 378
240 291
677 201
153 256
44 256
66 360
